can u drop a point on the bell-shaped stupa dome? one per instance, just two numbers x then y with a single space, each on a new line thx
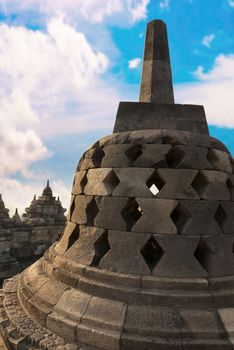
146 259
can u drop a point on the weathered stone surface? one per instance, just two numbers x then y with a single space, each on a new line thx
225 217
201 324
156 82
121 247
102 311
69 237
178 259
156 216
132 182
177 183
188 157
72 304
79 182
115 206
90 247
146 116
153 156
193 217
215 254
231 186
63 326
101 182
91 159
211 184
220 160
119 159
85 210
227 317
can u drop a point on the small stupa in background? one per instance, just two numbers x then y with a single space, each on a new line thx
23 240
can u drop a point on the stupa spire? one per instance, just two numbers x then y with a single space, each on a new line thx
156 83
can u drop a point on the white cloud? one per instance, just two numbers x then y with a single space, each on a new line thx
138 9
214 90
55 79
231 3
16 194
207 40
134 63
92 10
164 4
51 84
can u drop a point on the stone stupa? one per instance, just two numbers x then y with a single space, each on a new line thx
146 259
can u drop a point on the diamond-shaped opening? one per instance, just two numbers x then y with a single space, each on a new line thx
212 157
83 182
174 157
131 213
203 254
200 183
98 156
220 216
91 211
80 163
180 217
230 186
72 207
155 184
73 237
111 181
101 247
152 253
134 152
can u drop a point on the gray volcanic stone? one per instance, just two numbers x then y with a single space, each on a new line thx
147 116
193 217
115 206
220 160
188 157
119 160
100 182
132 182
212 185
153 156
156 216
177 250
79 182
156 83
121 247
177 183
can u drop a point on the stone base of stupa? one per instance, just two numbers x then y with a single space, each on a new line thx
111 311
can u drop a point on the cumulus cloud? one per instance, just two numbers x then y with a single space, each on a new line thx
214 90
138 9
134 63
164 4
231 3
52 83
92 10
207 40
55 81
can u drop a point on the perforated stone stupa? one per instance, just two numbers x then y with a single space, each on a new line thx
146 259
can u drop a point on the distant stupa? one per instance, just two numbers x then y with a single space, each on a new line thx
146 259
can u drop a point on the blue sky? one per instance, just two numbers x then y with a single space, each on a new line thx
65 65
